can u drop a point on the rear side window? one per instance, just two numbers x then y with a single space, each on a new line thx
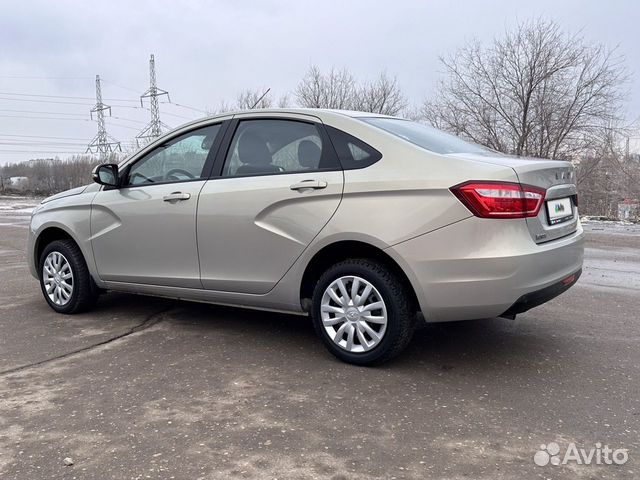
352 152
426 137
271 147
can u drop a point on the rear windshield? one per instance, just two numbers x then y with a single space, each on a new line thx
426 137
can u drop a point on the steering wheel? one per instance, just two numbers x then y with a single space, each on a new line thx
171 174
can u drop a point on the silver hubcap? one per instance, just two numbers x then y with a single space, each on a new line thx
58 278
353 314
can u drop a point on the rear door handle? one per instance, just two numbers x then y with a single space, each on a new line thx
314 184
176 197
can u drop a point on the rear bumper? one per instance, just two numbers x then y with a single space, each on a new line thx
482 268
533 299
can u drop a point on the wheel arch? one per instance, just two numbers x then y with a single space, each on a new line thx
48 235
50 232
342 250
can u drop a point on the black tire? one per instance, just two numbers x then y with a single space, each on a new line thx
401 311
84 290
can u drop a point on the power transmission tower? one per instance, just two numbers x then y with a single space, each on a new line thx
154 129
102 144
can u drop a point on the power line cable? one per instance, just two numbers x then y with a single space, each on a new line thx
40 136
16 94
43 101
43 151
119 86
186 106
148 110
40 140
48 113
46 118
35 142
63 118
35 77
128 120
90 104
123 126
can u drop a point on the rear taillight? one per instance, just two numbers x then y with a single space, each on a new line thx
500 199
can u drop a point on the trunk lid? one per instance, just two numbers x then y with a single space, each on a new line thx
558 178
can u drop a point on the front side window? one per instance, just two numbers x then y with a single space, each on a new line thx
263 147
180 159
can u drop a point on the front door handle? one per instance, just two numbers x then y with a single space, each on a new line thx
176 197
314 184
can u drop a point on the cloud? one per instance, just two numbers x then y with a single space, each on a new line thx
208 51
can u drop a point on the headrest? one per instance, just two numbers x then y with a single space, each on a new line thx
253 150
309 154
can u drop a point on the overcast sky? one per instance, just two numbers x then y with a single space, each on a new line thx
207 51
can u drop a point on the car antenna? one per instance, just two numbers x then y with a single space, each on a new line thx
258 101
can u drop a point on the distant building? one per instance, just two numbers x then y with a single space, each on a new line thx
49 161
629 209
18 183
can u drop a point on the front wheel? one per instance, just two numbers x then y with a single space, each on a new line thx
363 312
66 283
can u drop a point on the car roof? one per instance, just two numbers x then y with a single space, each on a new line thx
318 112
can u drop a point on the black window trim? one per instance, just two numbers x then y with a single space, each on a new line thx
212 169
206 168
218 164
376 154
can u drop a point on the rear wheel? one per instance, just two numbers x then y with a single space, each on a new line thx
363 312
66 283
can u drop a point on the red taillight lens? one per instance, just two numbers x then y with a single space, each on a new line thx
500 199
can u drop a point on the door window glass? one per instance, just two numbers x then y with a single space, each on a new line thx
180 159
261 147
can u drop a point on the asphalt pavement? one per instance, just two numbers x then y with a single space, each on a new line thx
150 388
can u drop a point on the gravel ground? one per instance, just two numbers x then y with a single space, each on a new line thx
151 388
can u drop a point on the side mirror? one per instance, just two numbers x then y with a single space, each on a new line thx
106 174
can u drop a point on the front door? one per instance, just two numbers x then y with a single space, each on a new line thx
279 185
145 231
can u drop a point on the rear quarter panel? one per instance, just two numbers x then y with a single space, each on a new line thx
406 193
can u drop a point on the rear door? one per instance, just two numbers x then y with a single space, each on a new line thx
277 184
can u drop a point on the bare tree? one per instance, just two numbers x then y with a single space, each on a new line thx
284 101
381 96
536 91
336 89
339 89
222 107
248 99
52 175
607 175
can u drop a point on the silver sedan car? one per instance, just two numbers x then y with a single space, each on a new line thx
371 224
